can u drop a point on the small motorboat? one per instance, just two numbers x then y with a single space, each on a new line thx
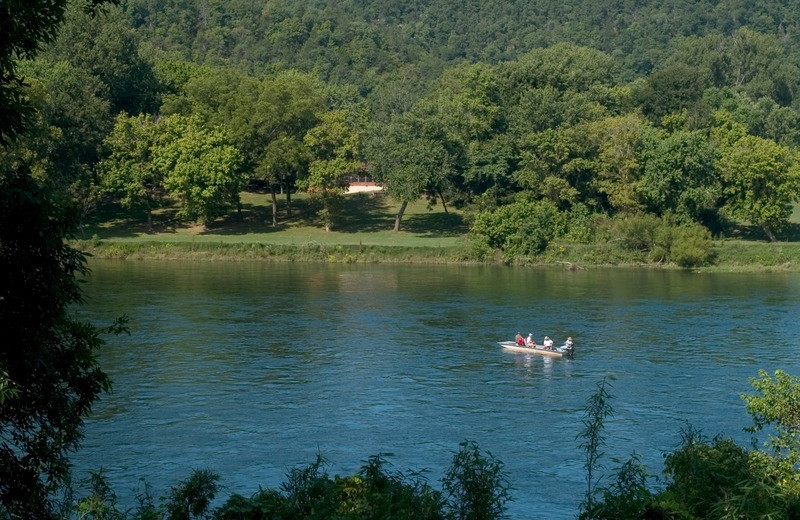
562 351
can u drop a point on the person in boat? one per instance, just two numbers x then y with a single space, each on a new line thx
548 343
569 343
519 339
529 342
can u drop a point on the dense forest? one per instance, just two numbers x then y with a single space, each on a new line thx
659 122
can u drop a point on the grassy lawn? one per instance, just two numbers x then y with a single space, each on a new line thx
363 233
366 219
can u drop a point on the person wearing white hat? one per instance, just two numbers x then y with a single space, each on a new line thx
548 343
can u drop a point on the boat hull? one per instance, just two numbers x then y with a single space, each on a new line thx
513 347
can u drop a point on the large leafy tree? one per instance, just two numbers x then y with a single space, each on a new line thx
201 167
27 25
679 174
335 145
131 171
761 179
617 141
106 47
407 161
49 376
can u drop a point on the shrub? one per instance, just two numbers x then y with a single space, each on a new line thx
476 486
520 229
638 232
691 246
580 228
191 498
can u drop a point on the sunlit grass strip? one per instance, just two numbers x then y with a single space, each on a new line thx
730 256
309 252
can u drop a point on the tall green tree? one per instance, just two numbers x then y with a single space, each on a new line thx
106 47
617 141
335 146
49 375
201 166
761 182
679 174
407 161
131 171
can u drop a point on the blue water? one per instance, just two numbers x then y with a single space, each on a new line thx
251 369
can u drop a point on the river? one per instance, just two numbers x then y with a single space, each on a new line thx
251 369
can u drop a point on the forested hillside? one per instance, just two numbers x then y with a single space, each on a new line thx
544 122
347 39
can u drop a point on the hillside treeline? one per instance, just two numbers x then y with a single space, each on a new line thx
549 122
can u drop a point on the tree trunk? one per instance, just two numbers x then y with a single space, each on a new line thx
399 217
444 204
288 201
274 205
769 233
149 220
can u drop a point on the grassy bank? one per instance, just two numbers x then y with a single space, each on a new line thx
363 234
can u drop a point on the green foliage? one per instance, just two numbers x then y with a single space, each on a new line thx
616 163
598 409
131 171
641 232
106 47
101 504
661 240
679 175
335 144
777 405
178 155
627 498
73 118
521 228
48 359
202 167
761 181
192 497
718 479
476 486
715 480
691 246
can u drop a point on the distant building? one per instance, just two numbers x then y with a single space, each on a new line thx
360 183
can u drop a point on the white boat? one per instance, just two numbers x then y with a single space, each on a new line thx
512 346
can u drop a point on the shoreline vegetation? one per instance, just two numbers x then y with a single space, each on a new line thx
730 256
364 236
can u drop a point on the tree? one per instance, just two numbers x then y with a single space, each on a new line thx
271 129
406 161
335 147
617 141
105 46
761 182
777 404
200 166
49 376
74 112
679 174
598 408
130 170
476 485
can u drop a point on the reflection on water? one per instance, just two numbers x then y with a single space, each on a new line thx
251 369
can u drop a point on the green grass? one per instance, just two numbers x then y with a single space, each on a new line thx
366 219
364 233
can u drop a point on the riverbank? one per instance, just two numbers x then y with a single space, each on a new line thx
730 255
363 234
